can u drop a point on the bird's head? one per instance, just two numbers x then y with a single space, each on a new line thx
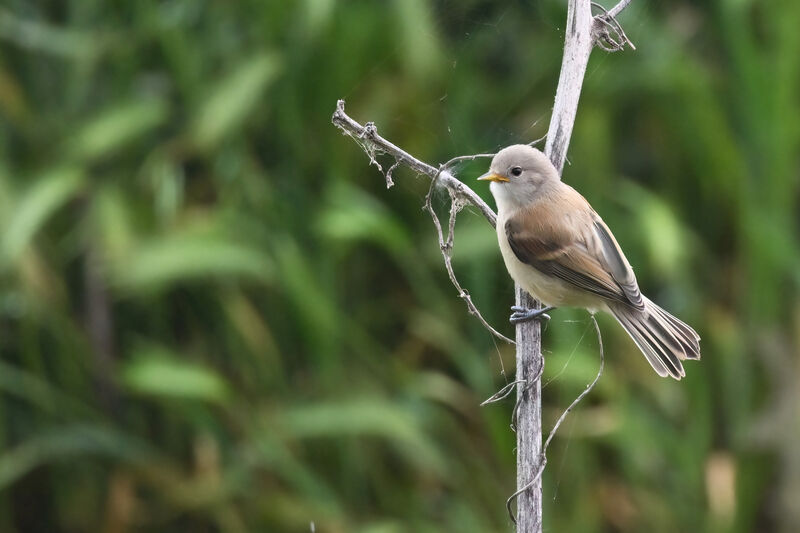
517 174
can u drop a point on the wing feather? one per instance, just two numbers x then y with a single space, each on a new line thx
575 245
617 264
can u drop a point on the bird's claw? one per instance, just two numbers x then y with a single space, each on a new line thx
522 314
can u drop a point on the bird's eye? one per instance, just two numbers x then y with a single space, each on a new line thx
516 171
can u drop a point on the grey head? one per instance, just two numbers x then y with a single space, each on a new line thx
518 173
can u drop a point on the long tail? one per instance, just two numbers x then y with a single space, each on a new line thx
663 339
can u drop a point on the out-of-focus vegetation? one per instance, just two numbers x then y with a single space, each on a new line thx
214 317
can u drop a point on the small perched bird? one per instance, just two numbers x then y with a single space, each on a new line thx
558 249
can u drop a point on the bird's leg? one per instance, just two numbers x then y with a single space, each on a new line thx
521 314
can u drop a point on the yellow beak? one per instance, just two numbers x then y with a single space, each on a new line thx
491 176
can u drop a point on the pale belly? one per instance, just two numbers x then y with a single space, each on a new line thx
547 289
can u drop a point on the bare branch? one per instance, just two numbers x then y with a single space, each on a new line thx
527 416
369 133
581 396
583 33
460 195
578 44
617 9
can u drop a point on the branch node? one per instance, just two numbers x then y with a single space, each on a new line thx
389 180
338 113
503 393
370 130
607 32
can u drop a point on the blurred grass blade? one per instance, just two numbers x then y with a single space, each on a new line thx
27 386
40 37
47 194
67 442
368 417
422 51
233 98
267 450
352 214
181 258
111 214
317 13
117 127
668 242
302 285
384 526
157 372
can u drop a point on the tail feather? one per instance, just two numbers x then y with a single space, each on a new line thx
658 354
689 339
663 339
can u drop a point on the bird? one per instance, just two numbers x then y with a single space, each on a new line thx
556 247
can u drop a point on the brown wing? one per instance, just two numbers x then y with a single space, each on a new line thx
563 237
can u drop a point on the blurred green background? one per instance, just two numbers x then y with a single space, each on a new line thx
215 317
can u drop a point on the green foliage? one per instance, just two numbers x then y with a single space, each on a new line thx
215 317
159 374
231 99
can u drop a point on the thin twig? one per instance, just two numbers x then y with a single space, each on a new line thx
389 180
617 9
581 396
446 247
461 158
588 388
503 393
537 141
528 384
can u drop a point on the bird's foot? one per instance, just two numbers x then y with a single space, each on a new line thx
522 314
